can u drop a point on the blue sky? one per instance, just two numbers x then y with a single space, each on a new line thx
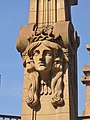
13 14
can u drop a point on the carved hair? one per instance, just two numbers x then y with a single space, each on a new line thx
56 74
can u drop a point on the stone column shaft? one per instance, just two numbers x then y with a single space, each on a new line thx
49 11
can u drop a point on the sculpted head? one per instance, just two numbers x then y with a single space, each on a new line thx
43 59
46 57
44 54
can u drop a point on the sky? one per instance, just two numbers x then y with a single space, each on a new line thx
14 14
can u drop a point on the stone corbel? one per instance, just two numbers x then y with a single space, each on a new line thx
69 36
64 29
23 38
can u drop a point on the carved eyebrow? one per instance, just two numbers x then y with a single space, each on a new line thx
36 51
47 51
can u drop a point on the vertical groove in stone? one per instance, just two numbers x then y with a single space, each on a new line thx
37 12
55 10
43 13
48 12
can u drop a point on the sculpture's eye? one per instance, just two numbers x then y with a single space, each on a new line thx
36 53
48 52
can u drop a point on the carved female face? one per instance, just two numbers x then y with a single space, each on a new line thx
43 58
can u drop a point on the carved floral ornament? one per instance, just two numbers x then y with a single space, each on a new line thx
43 59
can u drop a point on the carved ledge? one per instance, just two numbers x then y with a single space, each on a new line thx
85 79
86 70
88 47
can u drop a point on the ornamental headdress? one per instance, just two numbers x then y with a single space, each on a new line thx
30 39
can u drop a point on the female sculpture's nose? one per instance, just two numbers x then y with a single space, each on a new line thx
41 56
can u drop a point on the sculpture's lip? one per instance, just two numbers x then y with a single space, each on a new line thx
41 63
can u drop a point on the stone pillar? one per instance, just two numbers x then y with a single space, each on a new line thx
86 81
48 47
68 108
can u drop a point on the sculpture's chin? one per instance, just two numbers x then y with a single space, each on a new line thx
41 68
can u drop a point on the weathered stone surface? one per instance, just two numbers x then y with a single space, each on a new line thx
48 46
